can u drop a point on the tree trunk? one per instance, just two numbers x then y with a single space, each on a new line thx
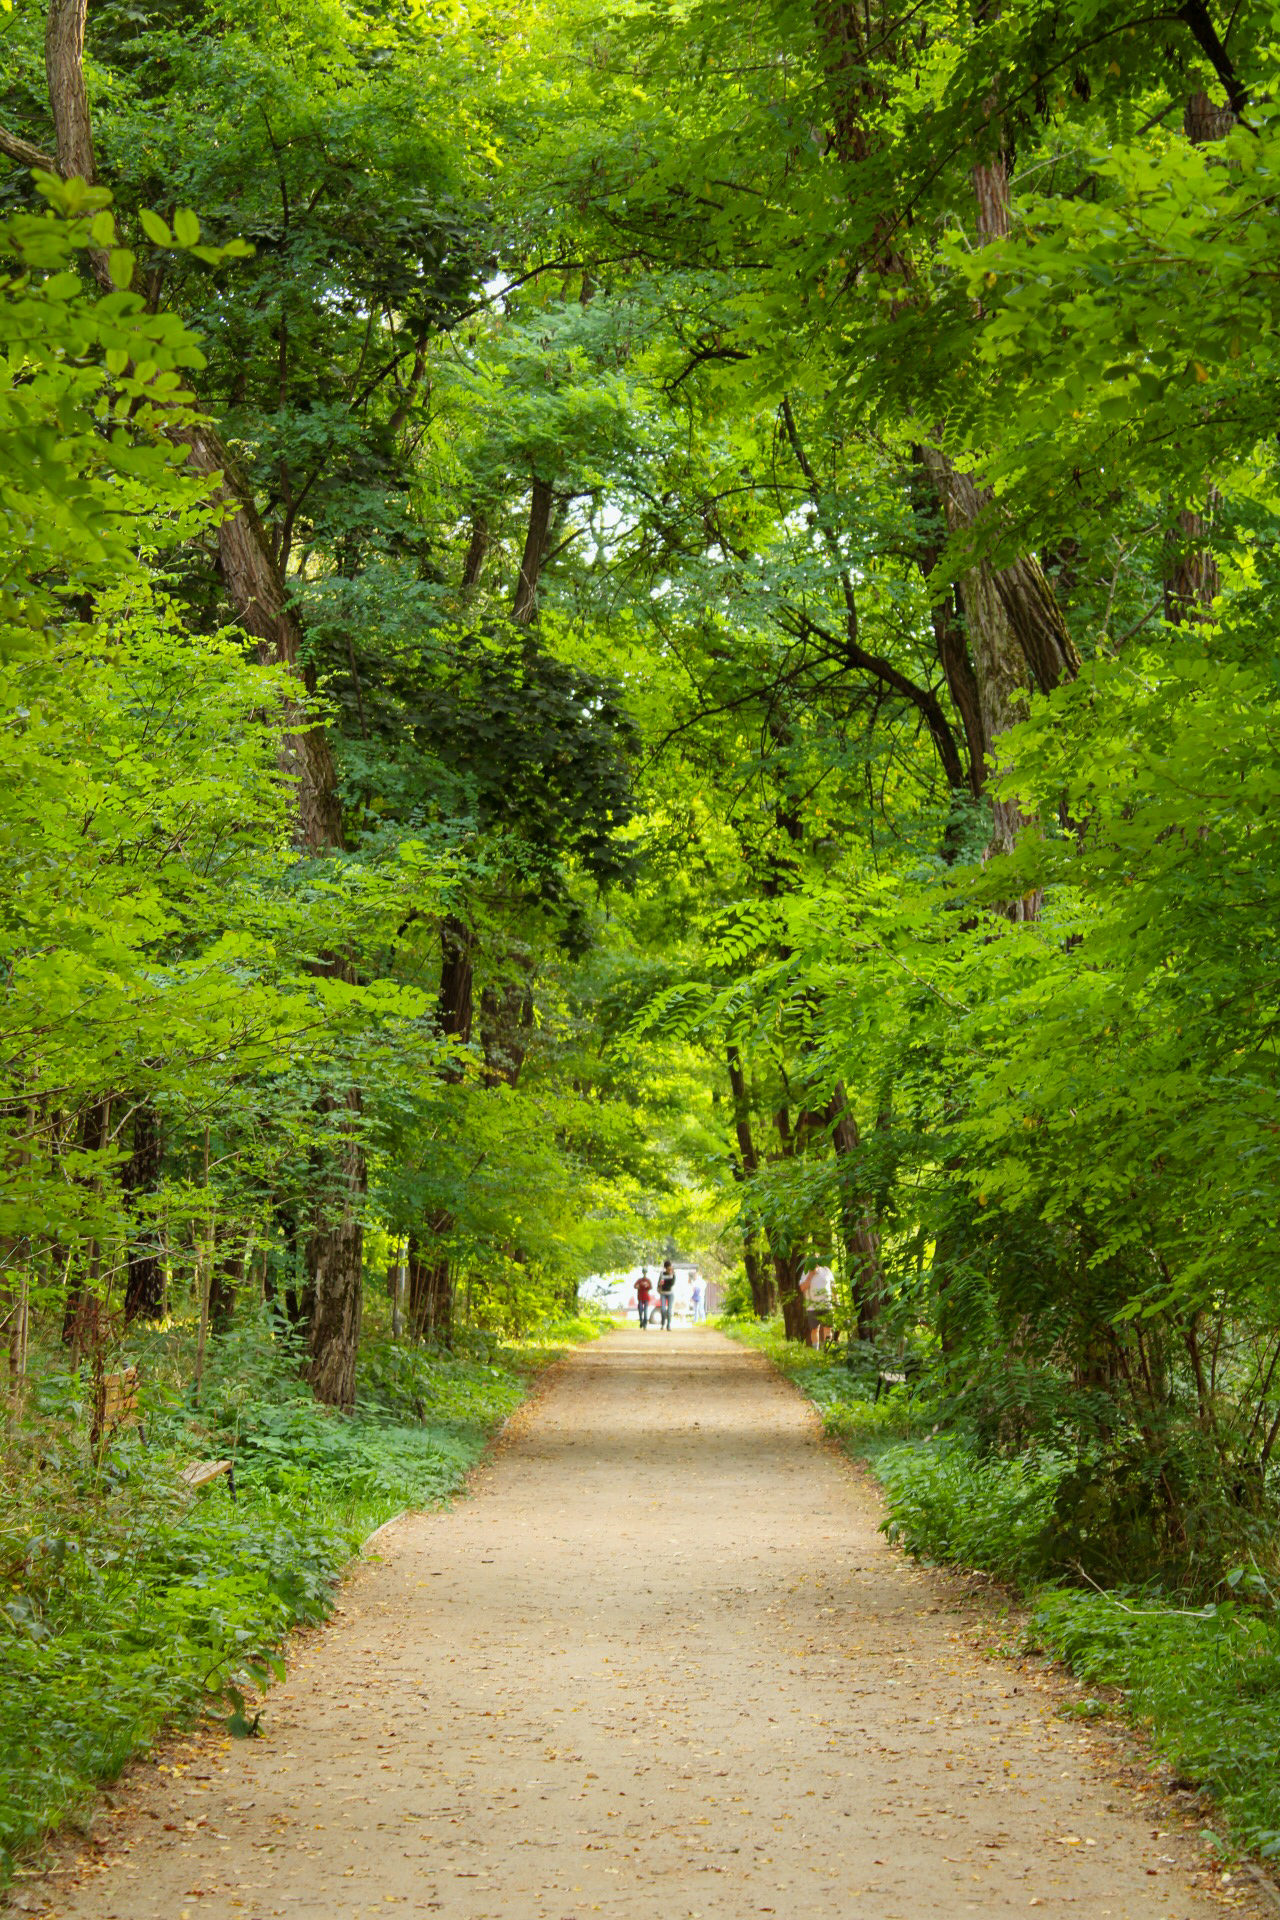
257 592
251 575
786 1273
430 1292
335 1271
477 548
454 1001
144 1288
64 67
861 1241
541 506
787 1256
764 1296
1191 581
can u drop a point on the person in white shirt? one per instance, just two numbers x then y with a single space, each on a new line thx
817 1284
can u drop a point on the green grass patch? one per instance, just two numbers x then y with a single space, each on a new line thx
127 1604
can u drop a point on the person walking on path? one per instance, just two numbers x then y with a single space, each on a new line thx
818 1288
695 1300
666 1292
644 1294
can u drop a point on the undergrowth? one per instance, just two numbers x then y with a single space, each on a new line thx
1205 1680
127 1603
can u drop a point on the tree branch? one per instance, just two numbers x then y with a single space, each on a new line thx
24 154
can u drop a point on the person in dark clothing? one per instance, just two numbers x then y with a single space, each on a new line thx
644 1294
666 1292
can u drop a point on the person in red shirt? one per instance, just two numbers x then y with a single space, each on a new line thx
644 1294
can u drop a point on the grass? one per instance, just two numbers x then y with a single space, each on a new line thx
1204 1681
127 1605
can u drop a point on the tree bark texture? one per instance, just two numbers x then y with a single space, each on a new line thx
1017 636
541 506
64 66
144 1288
953 652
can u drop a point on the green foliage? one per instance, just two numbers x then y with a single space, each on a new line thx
945 1504
1206 1680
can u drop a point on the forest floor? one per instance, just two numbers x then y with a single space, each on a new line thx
661 1663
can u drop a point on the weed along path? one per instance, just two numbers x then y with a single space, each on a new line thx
661 1666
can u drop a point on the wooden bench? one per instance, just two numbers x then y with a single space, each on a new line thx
202 1473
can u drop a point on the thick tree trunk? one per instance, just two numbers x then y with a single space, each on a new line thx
541 506
64 66
949 636
999 650
786 1274
144 1289
857 1217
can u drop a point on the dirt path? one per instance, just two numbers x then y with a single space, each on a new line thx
661 1667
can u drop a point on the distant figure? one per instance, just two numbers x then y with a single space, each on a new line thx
818 1288
666 1292
644 1294
695 1299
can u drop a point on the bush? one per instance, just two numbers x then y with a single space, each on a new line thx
947 1504
1208 1681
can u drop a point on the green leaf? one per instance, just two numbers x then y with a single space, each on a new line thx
186 227
155 228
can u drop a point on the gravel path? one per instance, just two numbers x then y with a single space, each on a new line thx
661 1666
